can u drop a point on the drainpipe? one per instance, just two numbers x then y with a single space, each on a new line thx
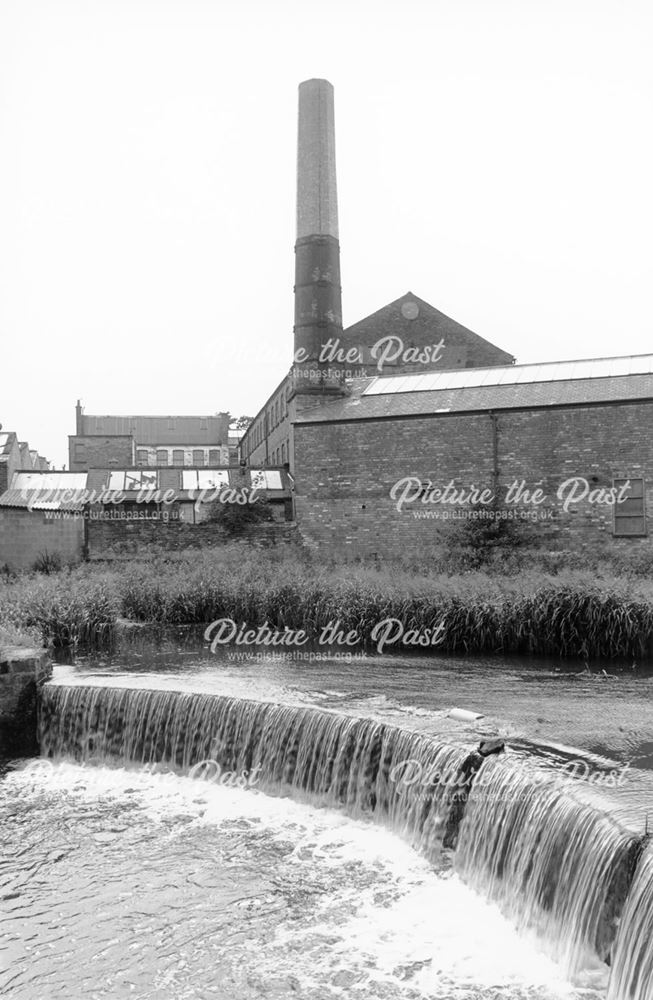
495 452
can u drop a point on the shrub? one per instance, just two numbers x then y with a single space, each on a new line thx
47 562
236 519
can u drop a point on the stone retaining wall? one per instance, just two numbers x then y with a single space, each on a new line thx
22 671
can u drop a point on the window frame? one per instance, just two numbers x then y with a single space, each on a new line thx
619 516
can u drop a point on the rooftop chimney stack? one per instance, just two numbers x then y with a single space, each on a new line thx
318 305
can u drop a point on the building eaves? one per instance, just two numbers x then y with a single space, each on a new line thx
530 395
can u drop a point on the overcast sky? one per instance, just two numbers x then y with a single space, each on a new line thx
494 157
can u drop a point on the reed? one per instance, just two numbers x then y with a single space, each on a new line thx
64 608
570 614
567 614
10 636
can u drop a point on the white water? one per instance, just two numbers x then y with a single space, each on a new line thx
555 865
123 883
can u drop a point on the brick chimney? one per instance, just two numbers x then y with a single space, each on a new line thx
318 306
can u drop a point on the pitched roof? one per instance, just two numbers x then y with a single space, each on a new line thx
72 490
44 490
416 321
548 371
8 442
439 393
169 430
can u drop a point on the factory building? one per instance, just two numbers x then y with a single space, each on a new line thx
405 424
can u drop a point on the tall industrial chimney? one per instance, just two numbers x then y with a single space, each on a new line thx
318 305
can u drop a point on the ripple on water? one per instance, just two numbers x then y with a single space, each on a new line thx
128 884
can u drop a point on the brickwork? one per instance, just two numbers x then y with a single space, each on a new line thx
344 472
404 335
25 535
409 323
96 451
134 539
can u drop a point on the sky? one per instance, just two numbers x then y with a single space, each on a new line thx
494 157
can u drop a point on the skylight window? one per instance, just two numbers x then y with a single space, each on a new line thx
468 378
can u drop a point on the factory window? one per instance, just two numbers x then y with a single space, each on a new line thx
198 456
162 456
117 481
141 456
214 456
283 454
630 512
177 456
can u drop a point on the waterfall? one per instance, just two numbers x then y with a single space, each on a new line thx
556 864
632 970
403 779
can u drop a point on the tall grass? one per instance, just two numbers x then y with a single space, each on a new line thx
568 614
67 608
10 635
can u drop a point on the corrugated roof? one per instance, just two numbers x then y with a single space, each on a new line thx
530 395
552 371
49 481
41 499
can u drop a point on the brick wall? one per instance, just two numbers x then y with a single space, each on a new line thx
25 535
99 451
128 539
344 472
425 328
457 347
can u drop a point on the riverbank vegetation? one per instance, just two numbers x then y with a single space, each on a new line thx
568 612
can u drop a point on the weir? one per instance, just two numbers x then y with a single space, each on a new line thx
555 864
